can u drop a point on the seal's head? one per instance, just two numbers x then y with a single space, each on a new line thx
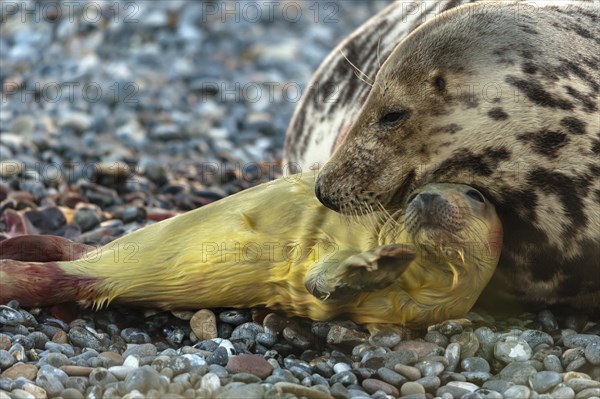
450 223
454 223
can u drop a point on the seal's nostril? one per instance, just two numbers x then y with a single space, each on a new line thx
428 199
325 200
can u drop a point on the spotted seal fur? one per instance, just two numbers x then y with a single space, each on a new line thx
502 96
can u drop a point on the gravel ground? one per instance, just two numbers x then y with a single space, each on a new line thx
118 114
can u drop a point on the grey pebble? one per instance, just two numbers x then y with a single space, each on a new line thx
563 392
429 368
220 356
135 336
391 377
6 360
580 340
452 354
475 364
517 392
545 381
518 373
235 317
140 350
385 338
142 379
102 377
592 352
552 363
512 349
476 377
345 377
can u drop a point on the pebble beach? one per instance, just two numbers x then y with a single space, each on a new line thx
118 114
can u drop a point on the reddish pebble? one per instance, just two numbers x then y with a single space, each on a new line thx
253 364
372 385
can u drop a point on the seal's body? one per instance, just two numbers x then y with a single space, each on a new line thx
275 245
500 96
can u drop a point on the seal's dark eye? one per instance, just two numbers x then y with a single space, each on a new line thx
394 117
412 197
476 195
440 83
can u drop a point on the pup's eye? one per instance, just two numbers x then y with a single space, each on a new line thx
476 195
394 117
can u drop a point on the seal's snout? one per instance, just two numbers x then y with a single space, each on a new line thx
324 199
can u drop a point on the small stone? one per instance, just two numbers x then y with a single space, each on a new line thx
429 368
512 349
20 394
592 352
114 358
517 392
437 338
452 354
253 364
220 356
247 331
412 373
544 381
246 391
580 340
6 359
340 335
297 336
563 392
450 327
84 338
121 372
391 377
135 336
588 393
140 350
536 337
469 343
77 371
302 391
419 348
579 384
235 317
455 392
210 382
476 377
475 364
36 391
341 367
385 338
102 377
142 379
28 371
345 377
71 393
204 324
339 391
552 363
429 383
518 373
410 388
372 385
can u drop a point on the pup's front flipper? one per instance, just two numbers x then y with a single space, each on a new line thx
364 271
